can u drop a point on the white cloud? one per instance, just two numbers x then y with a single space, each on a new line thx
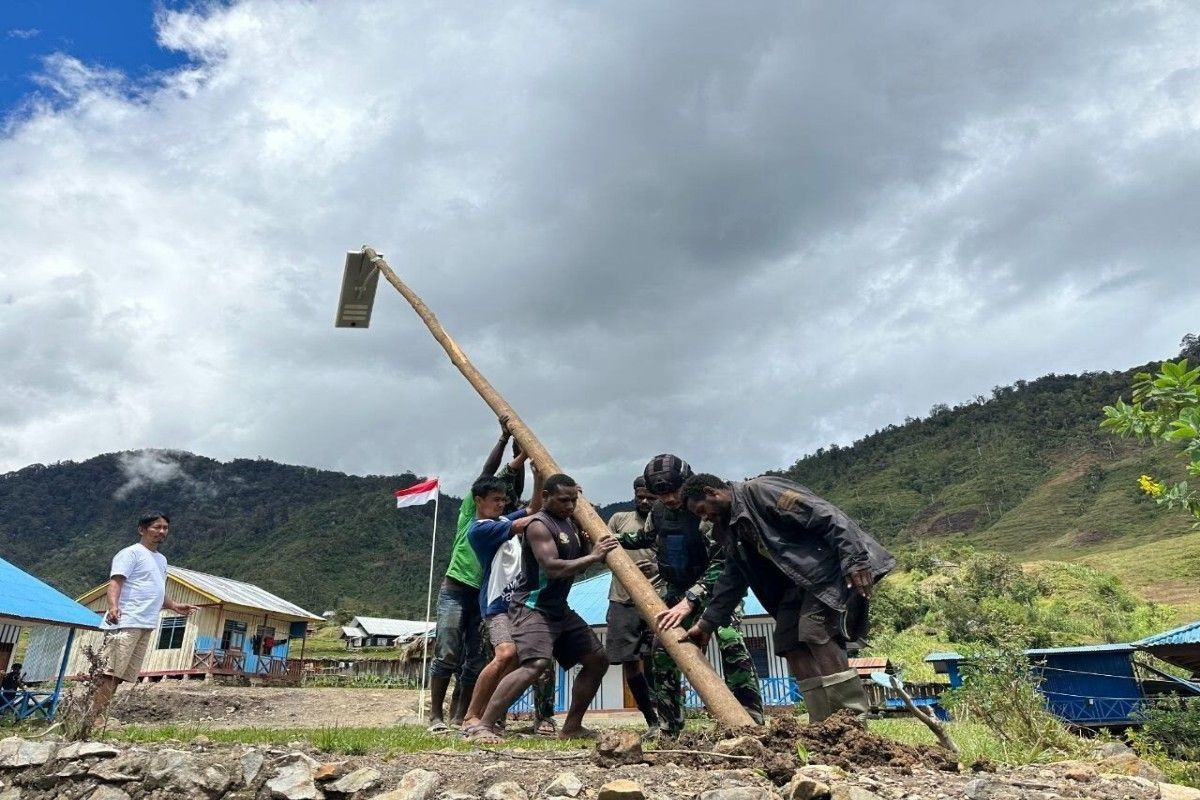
735 236
143 468
23 33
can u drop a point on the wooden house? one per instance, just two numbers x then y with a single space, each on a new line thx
381 632
239 629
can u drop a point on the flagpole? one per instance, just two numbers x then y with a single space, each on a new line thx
428 607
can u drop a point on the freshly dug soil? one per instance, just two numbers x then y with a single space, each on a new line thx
842 741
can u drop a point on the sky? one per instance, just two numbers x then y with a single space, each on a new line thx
737 236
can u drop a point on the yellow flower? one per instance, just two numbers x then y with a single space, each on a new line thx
1150 486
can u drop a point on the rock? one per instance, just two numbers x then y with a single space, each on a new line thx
803 788
1173 791
124 768
741 746
614 748
11 793
823 772
294 781
565 784
979 789
329 771
505 790
201 740
71 769
1129 764
77 750
621 790
360 780
251 763
1080 773
456 796
1107 749
416 784
739 793
181 772
108 793
15 752
853 793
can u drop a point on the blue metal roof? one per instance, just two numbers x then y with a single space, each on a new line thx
1184 634
27 599
1043 651
589 598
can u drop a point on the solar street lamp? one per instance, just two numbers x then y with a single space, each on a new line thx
359 281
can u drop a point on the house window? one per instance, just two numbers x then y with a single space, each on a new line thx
170 633
757 645
234 635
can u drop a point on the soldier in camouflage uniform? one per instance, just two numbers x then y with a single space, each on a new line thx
689 562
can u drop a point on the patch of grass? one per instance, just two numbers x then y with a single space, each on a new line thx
349 741
973 739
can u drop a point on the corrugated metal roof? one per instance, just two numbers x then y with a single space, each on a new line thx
950 655
351 632
239 593
25 598
381 626
1184 634
589 598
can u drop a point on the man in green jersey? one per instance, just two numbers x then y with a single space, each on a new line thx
459 651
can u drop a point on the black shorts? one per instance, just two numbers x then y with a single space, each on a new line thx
568 640
628 637
803 620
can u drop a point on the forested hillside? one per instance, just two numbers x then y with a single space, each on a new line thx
1026 472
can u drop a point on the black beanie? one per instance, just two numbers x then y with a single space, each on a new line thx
666 473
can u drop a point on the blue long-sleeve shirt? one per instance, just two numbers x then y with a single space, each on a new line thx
486 537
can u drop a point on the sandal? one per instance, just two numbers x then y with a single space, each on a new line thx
482 734
438 727
546 727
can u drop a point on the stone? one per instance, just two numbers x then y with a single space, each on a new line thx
739 793
329 771
979 789
614 748
1129 764
505 790
71 769
1173 791
1080 773
565 784
741 746
803 788
416 784
251 763
621 790
108 793
360 780
15 752
294 781
825 773
456 796
1106 749
11 793
853 793
77 750
185 775
201 741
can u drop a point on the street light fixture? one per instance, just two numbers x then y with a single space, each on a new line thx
359 281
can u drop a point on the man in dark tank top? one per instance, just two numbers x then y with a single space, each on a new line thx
544 627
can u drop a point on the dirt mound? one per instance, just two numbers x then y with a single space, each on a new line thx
786 744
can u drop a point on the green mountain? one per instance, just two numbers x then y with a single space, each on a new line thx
1026 472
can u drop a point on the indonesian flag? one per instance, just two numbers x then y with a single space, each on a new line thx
417 494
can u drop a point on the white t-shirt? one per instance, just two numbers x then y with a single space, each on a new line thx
145 586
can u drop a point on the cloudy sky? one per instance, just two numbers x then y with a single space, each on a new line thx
675 226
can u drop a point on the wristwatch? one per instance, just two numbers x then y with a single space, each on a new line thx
690 595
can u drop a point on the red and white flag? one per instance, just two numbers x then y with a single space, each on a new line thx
417 494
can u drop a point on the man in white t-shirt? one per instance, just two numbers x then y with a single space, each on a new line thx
137 592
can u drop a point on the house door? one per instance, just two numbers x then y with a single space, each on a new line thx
6 651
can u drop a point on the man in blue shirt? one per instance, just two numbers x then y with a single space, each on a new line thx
488 535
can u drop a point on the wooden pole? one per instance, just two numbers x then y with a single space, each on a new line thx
712 690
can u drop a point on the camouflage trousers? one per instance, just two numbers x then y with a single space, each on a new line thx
543 687
741 677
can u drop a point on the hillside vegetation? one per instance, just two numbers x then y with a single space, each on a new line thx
1026 472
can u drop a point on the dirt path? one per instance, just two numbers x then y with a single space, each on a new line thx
240 707
211 706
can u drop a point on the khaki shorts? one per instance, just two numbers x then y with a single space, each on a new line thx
124 650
